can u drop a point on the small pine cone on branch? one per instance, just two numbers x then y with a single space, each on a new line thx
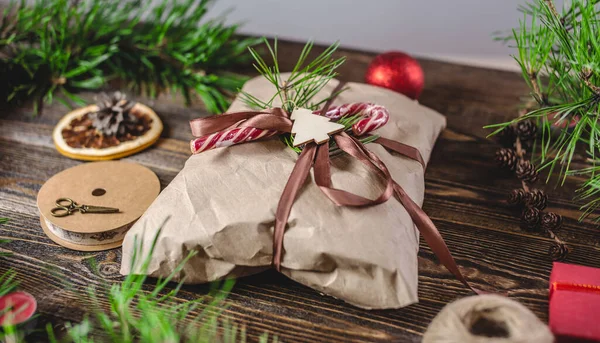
517 197
536 198
551 221
506 158
530 218
526 171
526 130
559 251
507 137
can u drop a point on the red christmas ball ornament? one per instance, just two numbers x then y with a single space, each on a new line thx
397 71
17 307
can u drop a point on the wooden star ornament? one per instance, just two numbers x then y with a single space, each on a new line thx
309 127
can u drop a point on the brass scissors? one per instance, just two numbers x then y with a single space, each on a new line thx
66 206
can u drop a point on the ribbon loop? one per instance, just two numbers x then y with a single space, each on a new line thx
341 197
269 122
272 119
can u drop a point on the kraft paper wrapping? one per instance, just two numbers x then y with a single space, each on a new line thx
222 204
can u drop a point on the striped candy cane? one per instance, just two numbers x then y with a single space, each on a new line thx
374 117
229 137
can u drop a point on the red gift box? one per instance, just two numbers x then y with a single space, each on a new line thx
574 303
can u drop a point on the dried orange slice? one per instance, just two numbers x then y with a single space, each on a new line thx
95 133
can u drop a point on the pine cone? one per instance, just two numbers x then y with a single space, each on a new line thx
526 130
559 251
507 137
526 171
536 198
113 116
516 197
506 158
551 221
530 218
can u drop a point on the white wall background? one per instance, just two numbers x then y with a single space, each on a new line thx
451 30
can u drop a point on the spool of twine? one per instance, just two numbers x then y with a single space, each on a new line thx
130 187
487 318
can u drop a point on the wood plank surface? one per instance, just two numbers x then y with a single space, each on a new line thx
465 195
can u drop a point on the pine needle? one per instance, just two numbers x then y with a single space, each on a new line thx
559 56
137 313
306 80
52 49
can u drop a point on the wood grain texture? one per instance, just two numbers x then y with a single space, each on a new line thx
465 195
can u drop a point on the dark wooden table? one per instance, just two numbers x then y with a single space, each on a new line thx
465 195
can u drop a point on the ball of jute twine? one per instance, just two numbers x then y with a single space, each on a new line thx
489 319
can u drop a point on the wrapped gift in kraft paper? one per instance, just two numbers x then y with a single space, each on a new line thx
224 202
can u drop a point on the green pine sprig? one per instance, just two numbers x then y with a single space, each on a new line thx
138 313
50 50
559 55
8 284
305 81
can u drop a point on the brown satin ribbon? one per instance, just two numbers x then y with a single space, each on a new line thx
317 157
270 119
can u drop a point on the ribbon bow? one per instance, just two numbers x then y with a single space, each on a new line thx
269 122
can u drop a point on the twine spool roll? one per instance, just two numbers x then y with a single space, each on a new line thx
487 318
127 186
88 239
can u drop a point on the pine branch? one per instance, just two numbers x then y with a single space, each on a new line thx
57 48
564 48
540 97
550 4
138 313
586 75
305 81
